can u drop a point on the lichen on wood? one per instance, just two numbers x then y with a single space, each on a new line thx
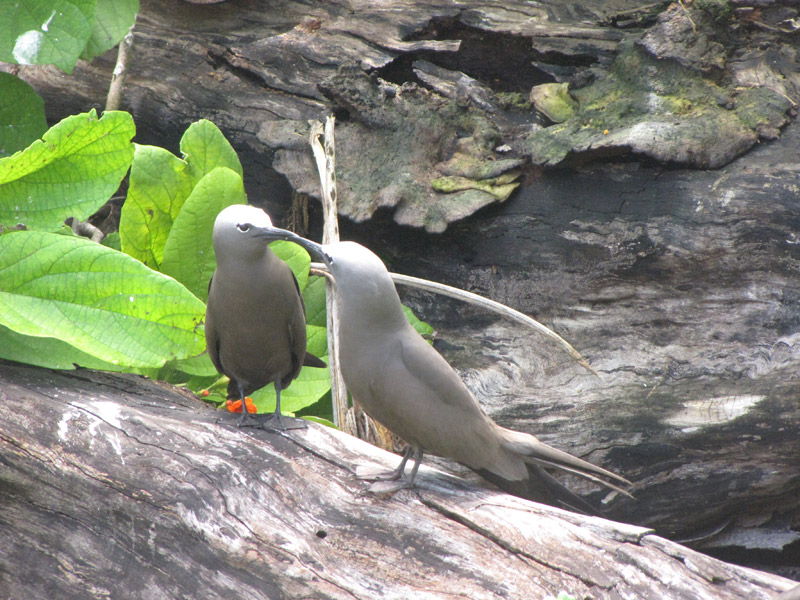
399 144
667 96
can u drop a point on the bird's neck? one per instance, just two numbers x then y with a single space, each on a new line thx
371 308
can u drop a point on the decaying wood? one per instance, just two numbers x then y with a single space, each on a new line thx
114 486
325 158
427 132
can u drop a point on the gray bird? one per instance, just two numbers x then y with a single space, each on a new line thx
255 318
405 384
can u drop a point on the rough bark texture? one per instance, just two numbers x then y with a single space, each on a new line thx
680 286
114 486
433 99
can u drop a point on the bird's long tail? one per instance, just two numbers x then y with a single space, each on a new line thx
541 486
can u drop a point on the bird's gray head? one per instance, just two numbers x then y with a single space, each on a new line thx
351 262
365 285
362 279
236 232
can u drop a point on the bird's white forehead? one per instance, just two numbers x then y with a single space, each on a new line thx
242 213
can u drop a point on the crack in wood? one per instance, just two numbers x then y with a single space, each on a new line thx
504 544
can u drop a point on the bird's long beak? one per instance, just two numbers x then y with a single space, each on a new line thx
275 233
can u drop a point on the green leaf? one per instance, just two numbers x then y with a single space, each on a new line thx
21 115
314 299
188 252
196 372
47 352
322 408
421 326
320 420
205 148
309 386
297 259
112 241
101 301
71 172
316 340
158 187
160 183
38 32
113 20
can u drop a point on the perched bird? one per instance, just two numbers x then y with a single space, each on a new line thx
404 383
255 318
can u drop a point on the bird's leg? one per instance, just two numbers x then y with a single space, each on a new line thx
373 475
395 480
276 420
245 420
415 468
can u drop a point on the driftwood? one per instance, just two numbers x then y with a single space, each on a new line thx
679 286
115 486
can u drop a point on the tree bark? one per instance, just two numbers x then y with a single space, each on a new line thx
115 486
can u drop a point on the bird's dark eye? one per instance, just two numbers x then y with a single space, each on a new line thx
243 227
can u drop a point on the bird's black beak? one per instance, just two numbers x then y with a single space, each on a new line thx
275 233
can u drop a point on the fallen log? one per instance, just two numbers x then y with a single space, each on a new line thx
117 486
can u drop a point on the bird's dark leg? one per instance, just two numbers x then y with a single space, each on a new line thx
415 468
394 481
276 420
398 472
245 420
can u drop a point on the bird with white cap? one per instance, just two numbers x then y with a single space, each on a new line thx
255 318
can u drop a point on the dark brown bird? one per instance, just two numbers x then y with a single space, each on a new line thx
255 317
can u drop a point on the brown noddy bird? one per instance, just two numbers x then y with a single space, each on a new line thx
404 383
255 318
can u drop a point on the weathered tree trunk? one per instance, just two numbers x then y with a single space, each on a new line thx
115 486
680 286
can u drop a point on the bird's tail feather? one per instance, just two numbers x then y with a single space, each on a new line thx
312 361
541 487
534 452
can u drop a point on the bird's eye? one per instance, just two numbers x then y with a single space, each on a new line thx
243 227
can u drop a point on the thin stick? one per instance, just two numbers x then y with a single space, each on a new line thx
497 307
120 71
326 161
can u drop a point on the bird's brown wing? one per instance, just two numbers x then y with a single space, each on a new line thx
309 360
212 340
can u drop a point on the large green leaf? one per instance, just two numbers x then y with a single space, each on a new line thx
71 172
316 340
314 298
160 183
188 252
297 259
21 115
37 32
99 300
47 352
113 19
158 187
205 148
